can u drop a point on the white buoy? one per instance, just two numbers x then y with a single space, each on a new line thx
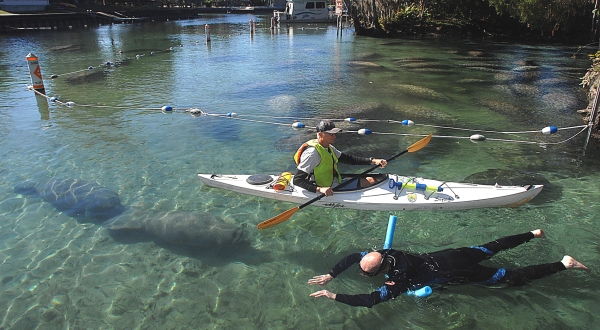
232 114
364 131
407 122
350 119
70 104
477 137
35 72
167 108
298 124
549 130
195 112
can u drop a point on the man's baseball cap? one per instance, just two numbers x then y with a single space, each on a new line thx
327 126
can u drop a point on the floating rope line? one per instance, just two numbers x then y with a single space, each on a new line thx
366 131
109 64
196 112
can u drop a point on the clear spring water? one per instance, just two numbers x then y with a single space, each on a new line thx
58 273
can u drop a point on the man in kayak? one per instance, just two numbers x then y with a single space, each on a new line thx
407 272
317 162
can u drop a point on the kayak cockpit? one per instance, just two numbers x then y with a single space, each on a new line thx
355 186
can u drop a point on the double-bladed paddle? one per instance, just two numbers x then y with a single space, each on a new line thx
288 214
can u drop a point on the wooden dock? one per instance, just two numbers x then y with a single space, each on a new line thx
87 19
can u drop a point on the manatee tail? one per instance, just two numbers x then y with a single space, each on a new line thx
123 222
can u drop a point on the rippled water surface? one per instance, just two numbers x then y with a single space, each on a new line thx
59 271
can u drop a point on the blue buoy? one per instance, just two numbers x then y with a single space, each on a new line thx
167 108
53 99
364 131
298 125
90 68
421 293
351 119
389 238
70 104
407 122
549 130
108 63
231 114
389 235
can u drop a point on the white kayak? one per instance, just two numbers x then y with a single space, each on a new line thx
389 193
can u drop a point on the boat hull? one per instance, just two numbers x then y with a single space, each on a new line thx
380 197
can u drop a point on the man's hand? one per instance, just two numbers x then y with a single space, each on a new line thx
320 279
323 293
379 162
327 191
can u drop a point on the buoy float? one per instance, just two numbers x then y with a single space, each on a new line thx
70 104
298 124
167 108
207 31
477 137
35 72
389 238
407 122
364 131
283 181
195 112
549 130
232 114
351 119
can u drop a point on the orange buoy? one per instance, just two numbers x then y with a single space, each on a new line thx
35 72
207 31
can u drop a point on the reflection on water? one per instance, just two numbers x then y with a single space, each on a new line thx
58 272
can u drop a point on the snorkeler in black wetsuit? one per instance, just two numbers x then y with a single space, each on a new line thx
405 271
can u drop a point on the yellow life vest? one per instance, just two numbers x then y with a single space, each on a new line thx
327 168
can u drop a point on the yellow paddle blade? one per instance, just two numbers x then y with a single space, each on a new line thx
278 218
419 144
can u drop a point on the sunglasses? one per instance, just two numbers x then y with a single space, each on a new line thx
384 263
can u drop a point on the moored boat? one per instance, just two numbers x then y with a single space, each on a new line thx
390 193
304 11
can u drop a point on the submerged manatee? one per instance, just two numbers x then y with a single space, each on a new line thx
76 198
185 228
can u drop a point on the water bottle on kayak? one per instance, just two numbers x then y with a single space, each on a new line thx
283 181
